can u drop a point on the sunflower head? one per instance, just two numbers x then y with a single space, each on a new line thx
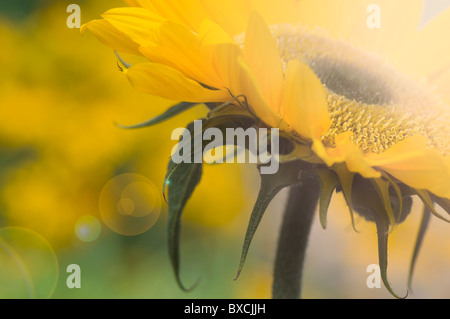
348 119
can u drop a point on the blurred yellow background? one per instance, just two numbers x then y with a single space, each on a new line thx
61 94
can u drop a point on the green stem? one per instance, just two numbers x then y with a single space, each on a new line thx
293 240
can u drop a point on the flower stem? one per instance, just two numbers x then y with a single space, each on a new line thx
293 240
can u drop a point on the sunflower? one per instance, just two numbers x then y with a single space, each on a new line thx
361 111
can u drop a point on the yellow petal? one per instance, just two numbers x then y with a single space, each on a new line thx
231 15
248 86
177 11
211 33
304 103
346 151
178 47
168 83
135 23
263 58
111 37
416 165
226 63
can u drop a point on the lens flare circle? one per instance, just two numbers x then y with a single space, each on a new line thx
130 204
88 228
28 265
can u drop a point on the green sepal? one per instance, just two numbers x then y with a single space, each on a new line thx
228 109
443 202
375 211
183 180
398 193
171 112
346 179
221 122
172 167
419 240
124 63
428 202
383 234
382 188
328 183
289 174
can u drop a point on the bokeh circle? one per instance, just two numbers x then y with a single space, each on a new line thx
88 228
130 204
28 265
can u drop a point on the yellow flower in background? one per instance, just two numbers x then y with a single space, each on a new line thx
59 145
366 108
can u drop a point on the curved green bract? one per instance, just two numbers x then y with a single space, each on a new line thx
289 174
171 112
383 234
328 183
183 179
420 236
